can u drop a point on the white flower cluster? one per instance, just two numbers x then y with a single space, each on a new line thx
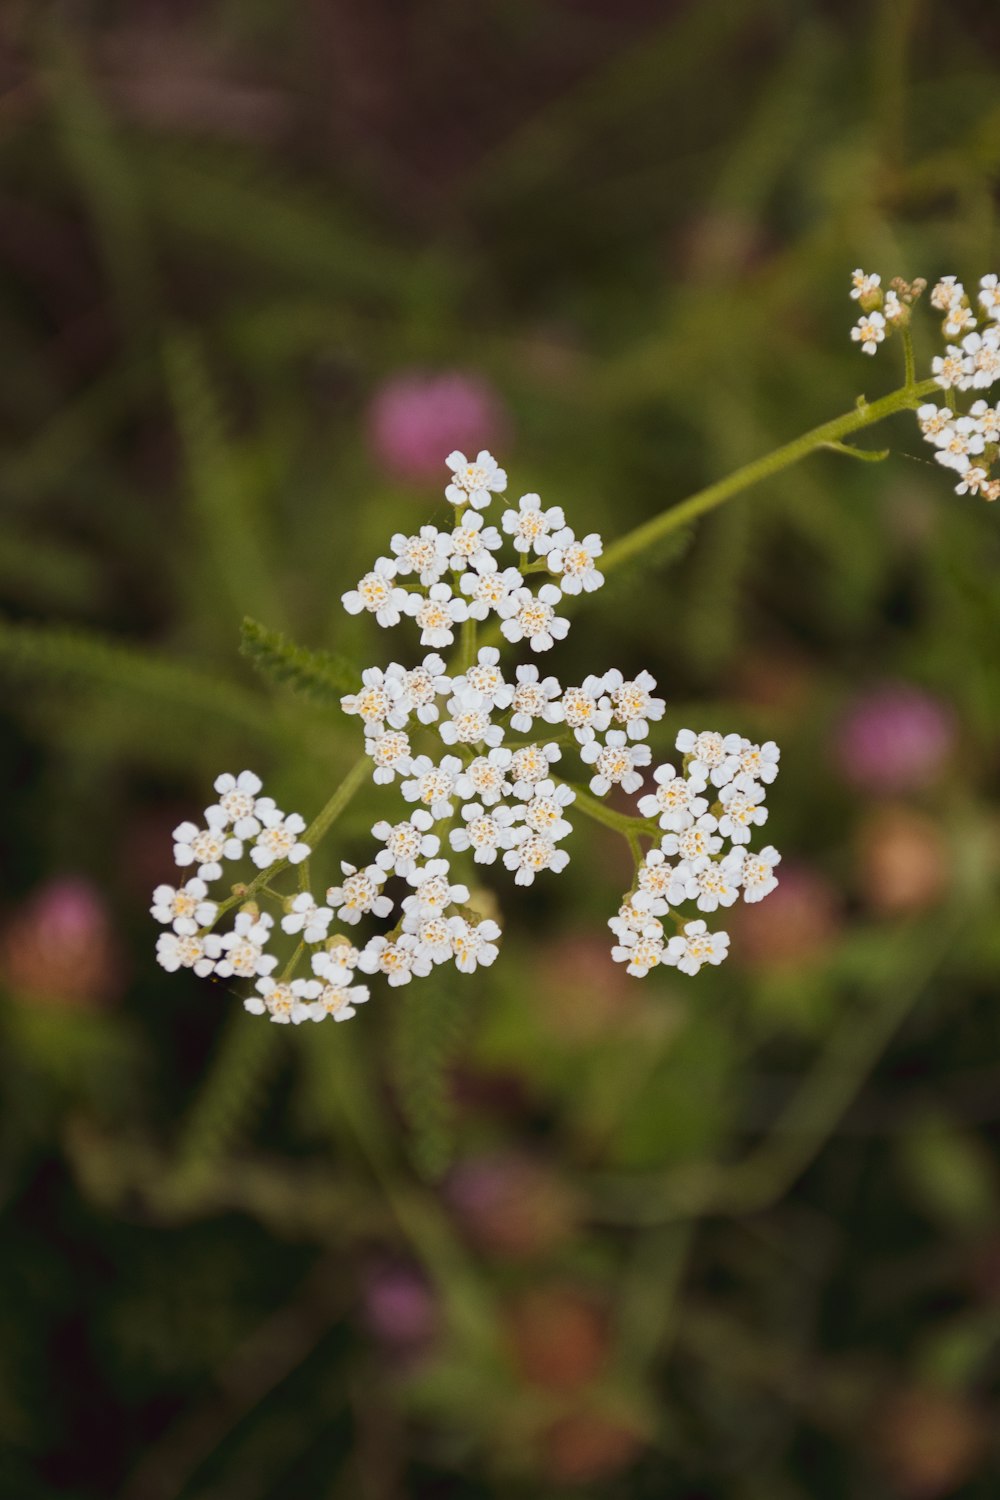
411 581
965 433
716 797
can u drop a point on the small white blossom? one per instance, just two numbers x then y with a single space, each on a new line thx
741 809
892 309
632 702
418 689
974 481
489 591
864 284
954 444
933 419
982 357
421 554
759 762
184 908
177 950
337 996
437 615
306 917
713 757
711 883
470 545
474 483
696 947
484 832
615 763
378 593
279 838
485 680
544 813
360 892
986 418
632 916
531 526
869 331
946 293
641 951
237 800
676 801
375 700
574 560
532 617
470 723
530 765
433 785
989 296
696 841
473 945
960 319
433 934
398 960
532 854
243 947
534 698
951 369
206 847
392 756
484 779
405 843
758 877
585 710
433 891
284 1001
656 883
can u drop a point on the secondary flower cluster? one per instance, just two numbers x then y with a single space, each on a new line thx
965 430
475 751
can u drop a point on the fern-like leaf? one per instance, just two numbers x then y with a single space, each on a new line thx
430 1028
319 675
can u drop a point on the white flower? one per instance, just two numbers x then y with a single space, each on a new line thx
982 357
279 838
337 996
531 526
713 757
488 591
955 443
398 960
484 778
470 545
989 296
951 369
405 843
532 854
283 1001
759 762
437 615
433 891
641 951
237 799
869 331
474 483
433 785
308 918
934 419
421 554
392 756
376 699
711 883
615 763
360 892
741 802
484 832
697 946
377 593
946 293
419 687
530 765
544 813
469 724
633 915
864 284
585 710
656 880
696 841
974 481
676 801
892 308
531 617
960 320
243 947
473 945
534 699
574 560
758 876
633 703
986 418
485 680
184 908
205 847
432 933
176 950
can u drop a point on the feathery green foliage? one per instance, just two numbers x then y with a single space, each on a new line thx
430 1027
319 675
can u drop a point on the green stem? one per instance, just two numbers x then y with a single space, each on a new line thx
909 369
467 645
865 414
592 808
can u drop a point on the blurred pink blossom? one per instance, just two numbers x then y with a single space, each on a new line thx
893 738
59 946
416 418
399 1308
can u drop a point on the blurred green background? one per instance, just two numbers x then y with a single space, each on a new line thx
552 1230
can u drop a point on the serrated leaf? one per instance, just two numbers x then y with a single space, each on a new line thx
320 675
430 1027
